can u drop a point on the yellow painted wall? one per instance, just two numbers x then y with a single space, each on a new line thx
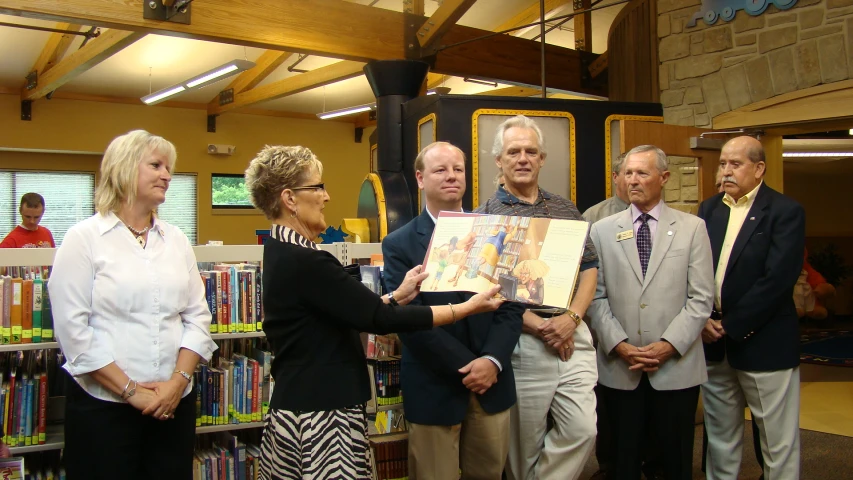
90 126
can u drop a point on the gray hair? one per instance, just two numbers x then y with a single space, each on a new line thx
518 121
616 165
661 162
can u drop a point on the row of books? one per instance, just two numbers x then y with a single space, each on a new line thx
391 458
237 390
29 379
386 377
25 310
228 458
233 293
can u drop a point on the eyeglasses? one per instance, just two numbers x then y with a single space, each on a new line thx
319 186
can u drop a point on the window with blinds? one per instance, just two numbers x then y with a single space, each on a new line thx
68 197
181 207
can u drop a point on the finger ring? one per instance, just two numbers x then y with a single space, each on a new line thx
166 415
566 347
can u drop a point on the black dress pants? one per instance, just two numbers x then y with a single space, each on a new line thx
669 414
108 440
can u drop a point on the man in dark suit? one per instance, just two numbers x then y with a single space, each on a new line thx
457 380
752 338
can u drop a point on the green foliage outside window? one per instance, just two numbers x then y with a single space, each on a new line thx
230 191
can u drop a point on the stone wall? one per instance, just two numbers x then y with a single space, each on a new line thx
709 70
682 189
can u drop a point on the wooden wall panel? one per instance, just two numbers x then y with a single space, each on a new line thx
632 47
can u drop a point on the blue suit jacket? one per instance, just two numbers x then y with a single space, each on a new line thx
762 329
433 393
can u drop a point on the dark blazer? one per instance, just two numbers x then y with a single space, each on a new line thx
313 312
433 393
757 306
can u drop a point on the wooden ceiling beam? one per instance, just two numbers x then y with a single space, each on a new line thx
95 52
512 92
434 79
341 30
55 48
291 85
264 65
415 7
440 22
530 14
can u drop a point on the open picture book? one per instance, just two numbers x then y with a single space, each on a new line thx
534 260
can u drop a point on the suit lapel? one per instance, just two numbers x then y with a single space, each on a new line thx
750 223
661 242
424 228
717 225
629 246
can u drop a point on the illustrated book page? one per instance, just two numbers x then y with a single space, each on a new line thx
534 260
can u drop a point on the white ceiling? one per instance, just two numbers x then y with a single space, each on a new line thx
155 61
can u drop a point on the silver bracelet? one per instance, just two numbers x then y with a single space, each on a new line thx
123 392
184 374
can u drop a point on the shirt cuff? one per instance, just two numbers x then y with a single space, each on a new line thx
495 361
199 343
588 265
88 362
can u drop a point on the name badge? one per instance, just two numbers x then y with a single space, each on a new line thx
624 235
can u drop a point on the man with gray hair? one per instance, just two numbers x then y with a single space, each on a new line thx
655 288
618 202
554 361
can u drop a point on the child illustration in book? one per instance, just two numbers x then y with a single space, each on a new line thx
459 254
492 249
441 253
530 274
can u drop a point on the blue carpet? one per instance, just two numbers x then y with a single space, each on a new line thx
828 348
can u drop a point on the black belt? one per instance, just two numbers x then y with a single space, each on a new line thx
548 314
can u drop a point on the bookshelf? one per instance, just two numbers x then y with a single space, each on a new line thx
483 226
230 253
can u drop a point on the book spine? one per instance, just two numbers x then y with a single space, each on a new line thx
27 311
16 310
38 286
43 409
46 315
256 410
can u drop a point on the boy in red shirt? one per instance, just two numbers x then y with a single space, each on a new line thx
29 234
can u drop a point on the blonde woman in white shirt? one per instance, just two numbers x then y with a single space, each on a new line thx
131 318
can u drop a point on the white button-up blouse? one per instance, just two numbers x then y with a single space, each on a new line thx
114 301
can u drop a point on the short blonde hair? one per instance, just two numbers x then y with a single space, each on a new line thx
120 168
419 161
275 169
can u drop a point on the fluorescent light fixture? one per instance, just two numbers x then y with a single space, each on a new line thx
817 154
161 95
346 111
210 76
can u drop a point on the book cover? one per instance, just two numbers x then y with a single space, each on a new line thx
535 260
12 468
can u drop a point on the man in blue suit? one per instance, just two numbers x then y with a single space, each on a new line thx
752 344
457 379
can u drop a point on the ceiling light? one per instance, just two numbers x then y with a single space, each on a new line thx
817 154
159 96
346 111
850 132
204 79
438 91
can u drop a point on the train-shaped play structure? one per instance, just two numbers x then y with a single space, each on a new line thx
711 10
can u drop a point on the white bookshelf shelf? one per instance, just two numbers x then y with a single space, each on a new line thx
236 336
228 427
55 439
16 347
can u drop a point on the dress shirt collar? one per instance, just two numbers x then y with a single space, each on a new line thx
110 220
747 199
505 197
288 235
434 219
654 212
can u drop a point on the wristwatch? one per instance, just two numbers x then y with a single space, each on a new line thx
574 316
392 300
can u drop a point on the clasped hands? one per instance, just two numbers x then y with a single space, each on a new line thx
159 399
648 358
480 374
558 333
713 331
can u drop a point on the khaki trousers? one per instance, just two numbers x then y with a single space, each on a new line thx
478 446
774 400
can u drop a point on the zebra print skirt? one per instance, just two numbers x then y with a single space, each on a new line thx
316 445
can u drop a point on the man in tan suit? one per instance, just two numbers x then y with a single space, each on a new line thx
655 289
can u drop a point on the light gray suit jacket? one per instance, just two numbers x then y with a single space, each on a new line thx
672 302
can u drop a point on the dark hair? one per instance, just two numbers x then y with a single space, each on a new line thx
32 200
